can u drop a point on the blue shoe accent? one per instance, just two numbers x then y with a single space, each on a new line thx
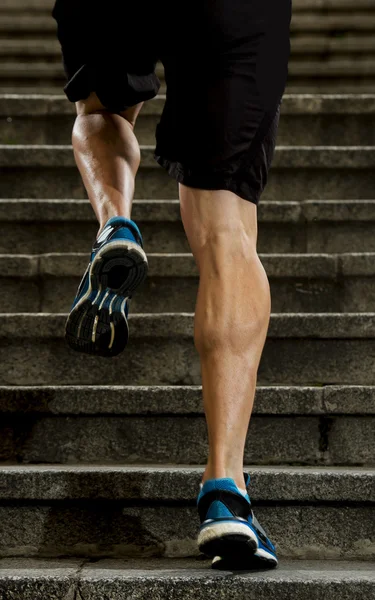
98 321
229 530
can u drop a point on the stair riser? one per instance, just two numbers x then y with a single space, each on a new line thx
284 183
328 130
119 529
317 237
174 361
279 440
178 294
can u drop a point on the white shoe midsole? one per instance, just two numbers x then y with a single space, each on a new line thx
218 530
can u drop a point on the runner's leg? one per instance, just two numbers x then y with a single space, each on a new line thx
107 155
231 320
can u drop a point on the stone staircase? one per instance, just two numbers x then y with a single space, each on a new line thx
333 47
100 460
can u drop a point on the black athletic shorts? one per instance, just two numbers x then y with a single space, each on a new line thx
226 64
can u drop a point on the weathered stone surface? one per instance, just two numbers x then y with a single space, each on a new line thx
180 400
349 399
29 579
289 582
169 325
177 483
271 440
308 283
129 529
162 352
182 578
352 440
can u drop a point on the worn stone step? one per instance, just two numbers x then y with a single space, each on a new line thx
43 226
306 120
334 21
36 579
301 349
328 85
326 172
322 43
124 510
314 283
331 425
334 67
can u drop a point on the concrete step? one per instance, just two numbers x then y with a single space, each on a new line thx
31 579
306 120
314 283
322 43
311 226
148 510
360 20
332 425
326 172
301 349
34 579
333 67
321 85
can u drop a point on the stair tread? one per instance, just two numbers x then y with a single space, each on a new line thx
24 209
310 157
280 265
32 579
180 483
161 325
182 400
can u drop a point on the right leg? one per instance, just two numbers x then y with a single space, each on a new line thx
231 321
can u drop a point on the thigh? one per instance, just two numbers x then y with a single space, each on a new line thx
234 77
221 114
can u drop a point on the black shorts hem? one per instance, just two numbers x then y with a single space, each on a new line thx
130 89
209 181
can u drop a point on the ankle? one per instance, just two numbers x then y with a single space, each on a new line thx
220 472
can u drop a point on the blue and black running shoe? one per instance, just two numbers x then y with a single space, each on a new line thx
98 321
229 531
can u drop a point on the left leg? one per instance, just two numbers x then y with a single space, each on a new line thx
107 155
110 74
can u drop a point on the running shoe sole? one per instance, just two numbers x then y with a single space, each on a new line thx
98 324
241 563
227 539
